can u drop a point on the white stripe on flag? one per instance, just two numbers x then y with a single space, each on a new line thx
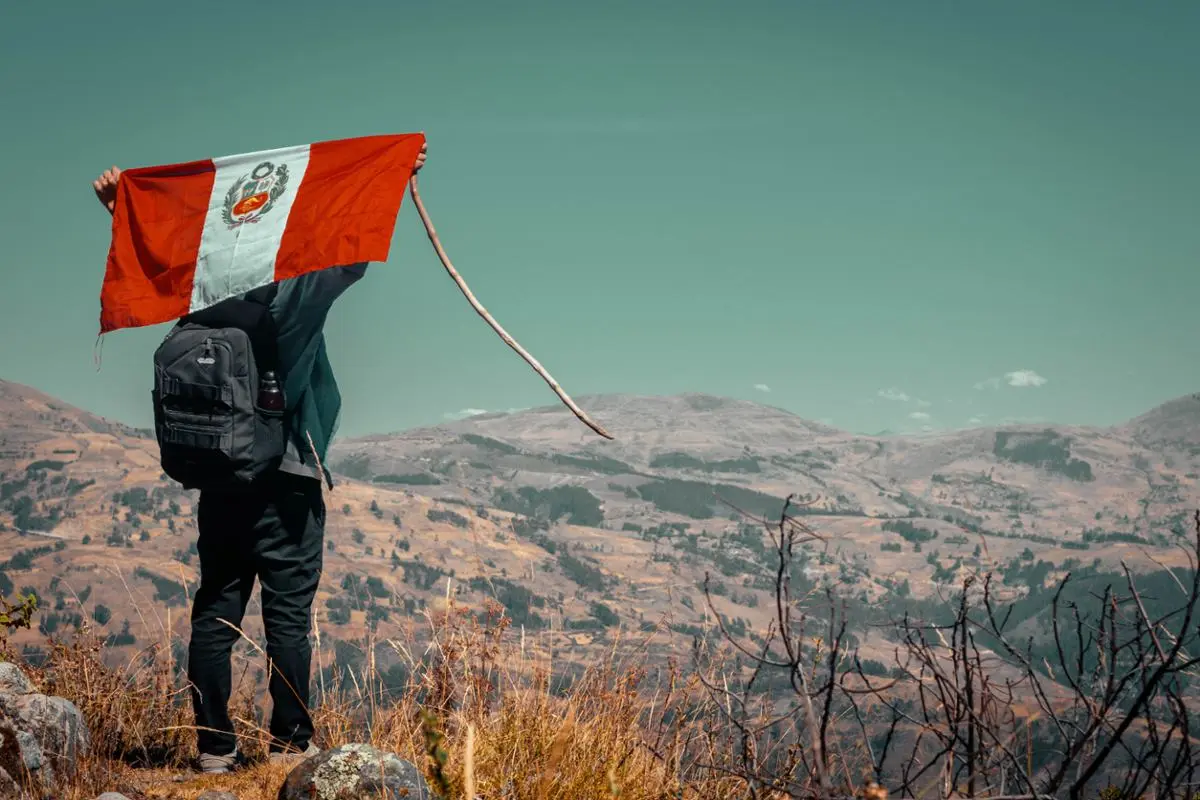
251 199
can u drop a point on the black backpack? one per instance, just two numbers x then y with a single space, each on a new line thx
211 433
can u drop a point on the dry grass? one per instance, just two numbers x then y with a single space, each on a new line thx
476 713
481 717
484 716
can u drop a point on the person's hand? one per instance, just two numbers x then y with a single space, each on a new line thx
421 157
106 188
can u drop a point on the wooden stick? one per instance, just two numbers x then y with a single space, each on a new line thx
490 320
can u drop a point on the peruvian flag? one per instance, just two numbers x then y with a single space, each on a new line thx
187 236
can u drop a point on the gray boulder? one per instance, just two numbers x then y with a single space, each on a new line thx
355 772
13 681
112 796
31 751
214 795
57 726
46 735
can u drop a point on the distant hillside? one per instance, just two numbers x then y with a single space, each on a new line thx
1174 425
1131 480
577 537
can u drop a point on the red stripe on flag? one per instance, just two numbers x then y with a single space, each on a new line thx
346 206
157 223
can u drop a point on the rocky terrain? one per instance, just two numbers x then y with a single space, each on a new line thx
584 540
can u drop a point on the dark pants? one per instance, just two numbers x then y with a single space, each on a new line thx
275 534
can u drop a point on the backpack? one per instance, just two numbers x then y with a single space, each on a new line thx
212 435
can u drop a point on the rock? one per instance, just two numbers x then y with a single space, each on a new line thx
112 796
13 681
47 735
355 772
31 751
56 724
212 795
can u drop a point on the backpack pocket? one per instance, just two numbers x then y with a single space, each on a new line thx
195 426
196 409
270 440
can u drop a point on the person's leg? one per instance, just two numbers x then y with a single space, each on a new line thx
289 553
226 526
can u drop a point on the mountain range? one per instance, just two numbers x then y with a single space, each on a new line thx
581 538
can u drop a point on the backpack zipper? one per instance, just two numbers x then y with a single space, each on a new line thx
207 357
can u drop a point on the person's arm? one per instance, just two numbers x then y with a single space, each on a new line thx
300 309
303 303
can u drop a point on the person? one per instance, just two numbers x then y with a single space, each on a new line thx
275 533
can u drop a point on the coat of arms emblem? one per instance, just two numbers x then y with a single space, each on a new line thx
248 200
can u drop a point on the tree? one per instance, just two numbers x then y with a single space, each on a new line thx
122 639
102 614
605 615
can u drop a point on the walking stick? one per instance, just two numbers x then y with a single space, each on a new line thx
490 320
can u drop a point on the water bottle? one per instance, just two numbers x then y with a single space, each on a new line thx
270 394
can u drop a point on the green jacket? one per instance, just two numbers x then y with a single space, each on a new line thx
313 401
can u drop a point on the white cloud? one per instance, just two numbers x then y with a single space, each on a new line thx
918 415
975 421
1019 378
464 413
762 387
1022 378
924 403
894 394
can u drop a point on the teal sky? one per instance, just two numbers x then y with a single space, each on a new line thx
844 202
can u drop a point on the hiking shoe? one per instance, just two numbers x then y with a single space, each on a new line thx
293 757
218 765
